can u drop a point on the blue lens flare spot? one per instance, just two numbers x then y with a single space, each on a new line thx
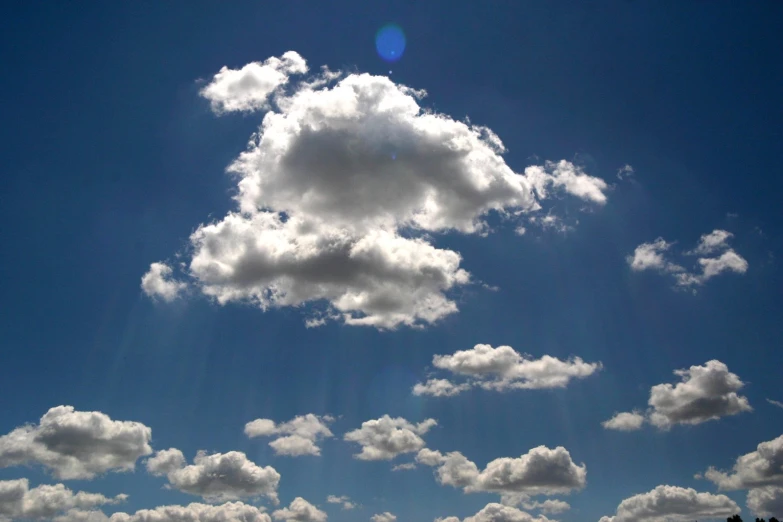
390 42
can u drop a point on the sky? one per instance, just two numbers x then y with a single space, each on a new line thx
377 261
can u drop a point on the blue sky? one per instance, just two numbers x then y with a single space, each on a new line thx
118 131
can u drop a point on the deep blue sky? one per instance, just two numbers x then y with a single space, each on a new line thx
110 159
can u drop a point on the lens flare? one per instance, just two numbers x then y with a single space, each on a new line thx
390 42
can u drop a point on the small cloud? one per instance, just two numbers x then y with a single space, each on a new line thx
625 172
343 500
776 403
404 467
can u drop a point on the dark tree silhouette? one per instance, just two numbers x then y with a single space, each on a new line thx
735 518
773 519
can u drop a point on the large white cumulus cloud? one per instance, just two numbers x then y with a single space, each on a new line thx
75 444
338 188
673 504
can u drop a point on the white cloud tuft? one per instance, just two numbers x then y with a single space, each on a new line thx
775 403
248 88
300 510
407 466
344 500
763 467
549 506
717 240
542 471
217 477
18 501
673 504
766 501
194 512
387 437
340 174
704 393
503 369
157 283
296 437
495 512
76 444
652 256
383 517
624 421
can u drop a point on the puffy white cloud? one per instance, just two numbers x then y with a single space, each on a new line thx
704 393
440 388
652 256
383 517
766 501
763 467
495 512
624 421
296 437
541 471
158 283
76 444
337 188
300 510
217 477
165 462
195 512
549 506
17 500
710 243
248 88
343 500
673 504
502 369
81 515
387 437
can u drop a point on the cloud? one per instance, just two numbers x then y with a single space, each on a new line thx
76 444
17 500
299 435
344 500
624 421
383 517
495 512
704 393
766 501
625 171
542 471
217 477
503 369
775 403
653 256
194 512
157 283
339 189
716 240
386 438
248 88
650 256
300 510
549 506
404 467
673 504
760 468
